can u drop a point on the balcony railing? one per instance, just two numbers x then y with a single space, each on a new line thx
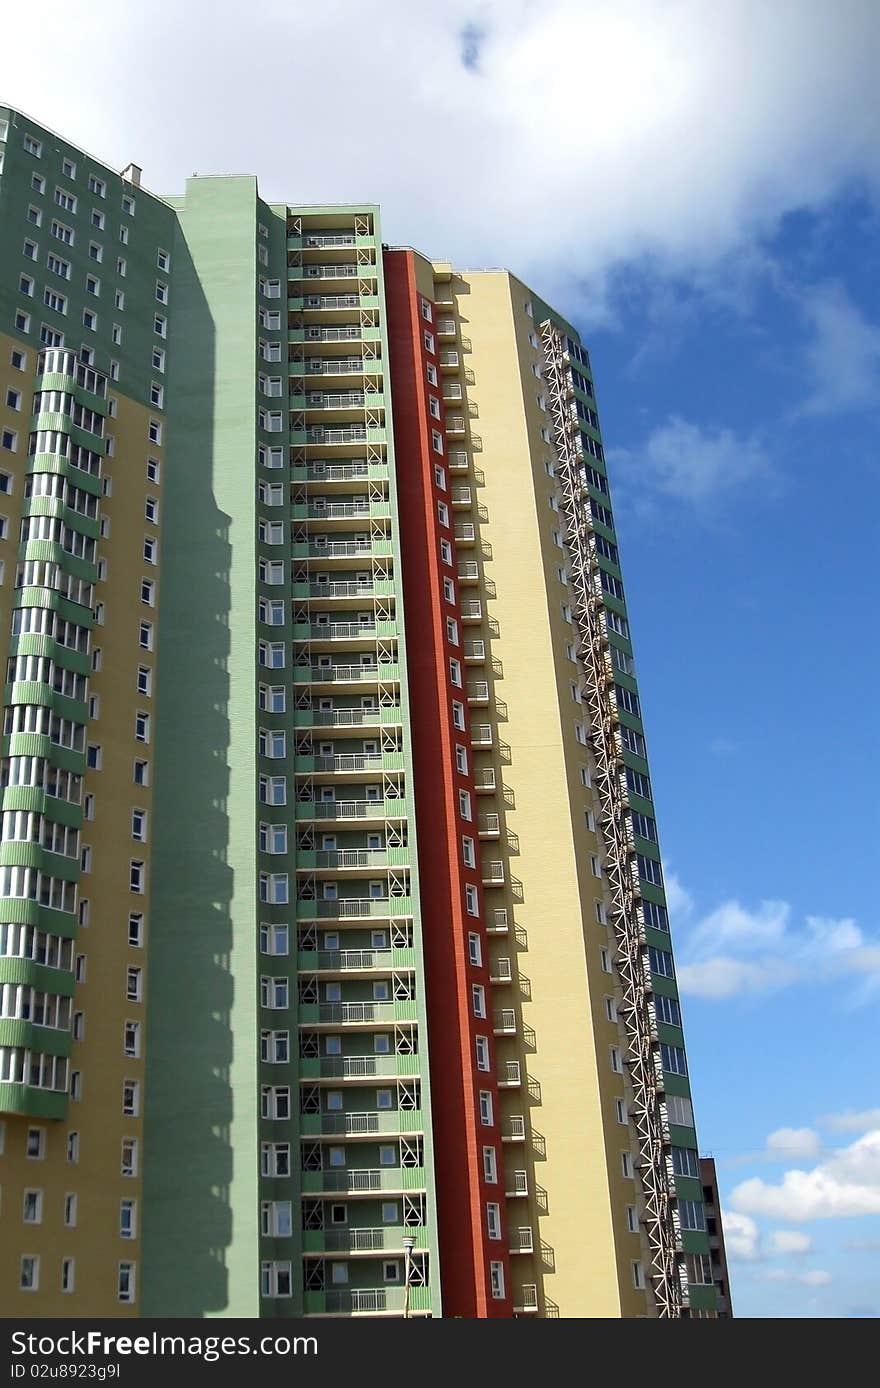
481 734
344 270
485 779
335 366
335 399
354 906
339 631
522 1241
331 301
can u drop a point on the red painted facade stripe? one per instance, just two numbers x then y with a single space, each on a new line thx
462 1191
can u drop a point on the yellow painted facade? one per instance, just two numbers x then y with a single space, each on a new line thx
564 1141
107 997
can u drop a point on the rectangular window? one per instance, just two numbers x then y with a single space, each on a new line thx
493 1220
674 1059
481 1046
475 953
487 1117
478 999
126 1282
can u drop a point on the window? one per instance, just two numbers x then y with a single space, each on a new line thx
22 321
496 1277
65 199
649 870
144 680
90 320
692 1214
661 962
478 999
139 825
468 852
668 1010
70 1211
128 204
481 1046
145 638
9 440
674 1059
455 673
136 929
475 952
493 1220
443 512
141 727
679 1110
131 1095
137 876
161 292
464 804
158 358
131 1039
458 718
127 1219
148 596
157 395
97 219
33 146
32 1211
126 1282
160 325
97 186
153 468
486 1111
29 1274
26 286
154 431
471 901
461 761
638 1276
163 260
620 1111
626 1164
685 1162
73 1147
436 441
616 1062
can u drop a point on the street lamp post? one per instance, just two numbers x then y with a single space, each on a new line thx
407 1249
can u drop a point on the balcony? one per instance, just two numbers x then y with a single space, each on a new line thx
509 1075
324 239
360 1182
446 328
452 391
354 908
359 1067
387 1238
461 496
500 971
335 549
489 826
471 610
514 1130
465 533
528 1300
516 1184
373 763
367 1301
474 652
497 923
335 811
342 961
484 781
457 460
449 359
522 1241
492 874
504 1022
359 1014
339 674
347 717
384 1123
481 734
468 571
343 270
329 366
325 301
344 588
340 472
455 426
340 631
337 400
308 859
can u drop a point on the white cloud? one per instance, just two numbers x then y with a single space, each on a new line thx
790 1144
740 1237
724 977
846 1184
815 1277
852 1121
689 464
789 1241
735 951
678 899
579 137
843 357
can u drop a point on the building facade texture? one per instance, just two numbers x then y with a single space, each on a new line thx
335 967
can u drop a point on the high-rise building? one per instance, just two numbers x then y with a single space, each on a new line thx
335 970
715 1230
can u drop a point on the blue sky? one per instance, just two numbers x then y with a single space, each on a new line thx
697 187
